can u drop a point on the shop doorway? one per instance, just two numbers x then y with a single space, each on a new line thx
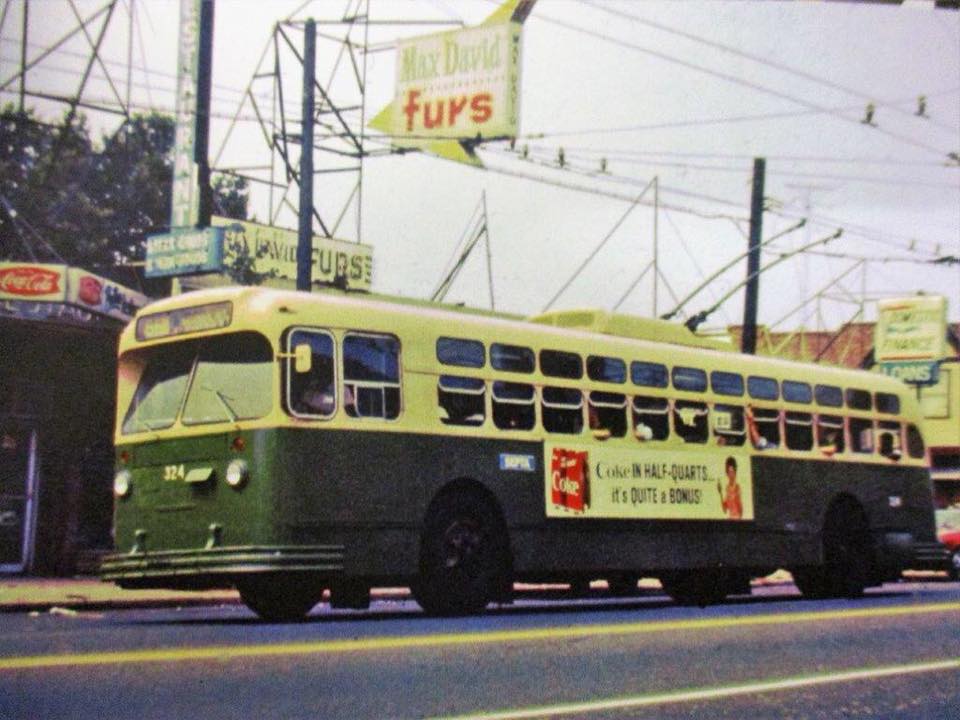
18 491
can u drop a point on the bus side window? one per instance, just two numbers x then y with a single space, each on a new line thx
608 412
915 447
861 435
651 418
763 427
462 400
690 420
562 410
888 439
513 406
728 425
798 428
830 434
371 376
312 393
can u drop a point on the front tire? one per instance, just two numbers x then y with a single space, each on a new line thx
463 557
954 572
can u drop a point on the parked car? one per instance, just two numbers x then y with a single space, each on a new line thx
948 532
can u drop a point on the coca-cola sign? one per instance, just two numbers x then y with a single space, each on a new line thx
29 281
570 479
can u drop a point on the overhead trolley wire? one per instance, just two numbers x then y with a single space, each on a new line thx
734 80
782 67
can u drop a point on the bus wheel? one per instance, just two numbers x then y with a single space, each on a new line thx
463 557
954 572
847 557
280 599
695 587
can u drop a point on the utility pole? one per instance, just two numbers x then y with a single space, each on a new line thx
204 84
305 228
656 241
748 342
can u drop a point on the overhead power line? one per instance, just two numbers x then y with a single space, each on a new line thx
767 61
734 79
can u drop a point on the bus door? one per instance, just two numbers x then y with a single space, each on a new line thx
18 473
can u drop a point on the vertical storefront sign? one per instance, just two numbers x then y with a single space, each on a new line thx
186 197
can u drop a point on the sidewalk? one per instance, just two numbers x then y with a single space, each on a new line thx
38 594
33 594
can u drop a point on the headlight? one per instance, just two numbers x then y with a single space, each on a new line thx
237 473
122 483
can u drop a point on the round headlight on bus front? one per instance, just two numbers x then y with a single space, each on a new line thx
237 473
122 483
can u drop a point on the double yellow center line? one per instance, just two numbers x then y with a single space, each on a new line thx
401 642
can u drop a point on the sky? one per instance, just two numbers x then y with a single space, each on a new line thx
684 92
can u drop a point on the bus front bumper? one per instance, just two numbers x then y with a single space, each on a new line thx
217 567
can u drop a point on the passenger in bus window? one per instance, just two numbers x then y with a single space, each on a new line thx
318 397
758 439
888 446
730 501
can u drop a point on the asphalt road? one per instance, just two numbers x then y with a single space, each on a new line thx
894 654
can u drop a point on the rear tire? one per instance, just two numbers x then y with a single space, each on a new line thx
954 572
463 557
847 558
280 598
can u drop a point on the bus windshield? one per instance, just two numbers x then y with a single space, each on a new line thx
225 379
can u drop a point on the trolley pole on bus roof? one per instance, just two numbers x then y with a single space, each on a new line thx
748 341
305 234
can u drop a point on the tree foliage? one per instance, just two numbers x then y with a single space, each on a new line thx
62 196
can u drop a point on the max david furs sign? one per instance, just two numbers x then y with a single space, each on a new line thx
910 337
454 88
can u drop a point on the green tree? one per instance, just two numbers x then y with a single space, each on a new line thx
92 206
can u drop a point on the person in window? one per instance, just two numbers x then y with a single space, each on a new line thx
730 500
318 398
829 444
759 441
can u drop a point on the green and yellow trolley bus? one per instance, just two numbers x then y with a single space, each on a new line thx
286 444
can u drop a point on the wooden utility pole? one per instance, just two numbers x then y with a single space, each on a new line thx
305 228
748 342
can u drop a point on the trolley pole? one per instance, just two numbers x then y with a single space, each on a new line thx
305 227
748 341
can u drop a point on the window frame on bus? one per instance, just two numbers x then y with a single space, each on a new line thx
347 382
290 373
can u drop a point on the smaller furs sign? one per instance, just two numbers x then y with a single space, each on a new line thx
273 253
910 338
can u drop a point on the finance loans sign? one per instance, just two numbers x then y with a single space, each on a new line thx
910 338
592 482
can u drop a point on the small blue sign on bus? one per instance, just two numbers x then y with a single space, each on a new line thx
185 252
518 463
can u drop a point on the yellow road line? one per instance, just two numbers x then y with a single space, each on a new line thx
711 693
326 647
